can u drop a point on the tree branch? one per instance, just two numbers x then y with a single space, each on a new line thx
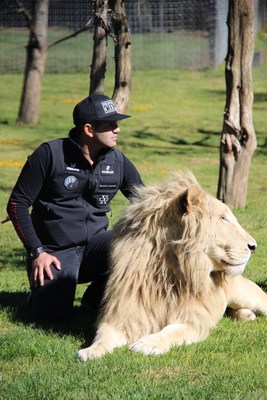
22 9
97 20
88 25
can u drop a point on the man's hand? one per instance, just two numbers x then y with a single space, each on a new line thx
41 268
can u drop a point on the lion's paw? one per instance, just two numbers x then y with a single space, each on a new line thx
92 352
244 314
148 345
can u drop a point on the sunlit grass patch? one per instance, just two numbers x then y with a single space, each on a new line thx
11 163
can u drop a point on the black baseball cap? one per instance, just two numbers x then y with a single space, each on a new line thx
96 107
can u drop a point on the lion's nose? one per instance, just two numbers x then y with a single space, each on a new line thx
252 246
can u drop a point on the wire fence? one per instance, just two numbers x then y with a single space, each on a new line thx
165 34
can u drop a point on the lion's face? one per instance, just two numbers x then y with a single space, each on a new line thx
229 245
218 233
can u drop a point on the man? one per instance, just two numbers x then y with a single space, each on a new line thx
69 184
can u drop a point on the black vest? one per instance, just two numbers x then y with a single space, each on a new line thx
74 200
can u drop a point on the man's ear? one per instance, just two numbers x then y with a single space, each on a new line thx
191 198
88 130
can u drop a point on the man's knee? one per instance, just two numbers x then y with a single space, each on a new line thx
54 300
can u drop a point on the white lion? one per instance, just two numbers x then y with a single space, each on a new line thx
177 261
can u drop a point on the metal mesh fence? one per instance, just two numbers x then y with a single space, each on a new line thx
165 34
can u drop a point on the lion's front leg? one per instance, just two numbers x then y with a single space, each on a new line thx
107 338
171 335
245 298
244 314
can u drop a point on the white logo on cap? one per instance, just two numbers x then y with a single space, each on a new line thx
108 107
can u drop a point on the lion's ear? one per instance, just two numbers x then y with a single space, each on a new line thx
191 198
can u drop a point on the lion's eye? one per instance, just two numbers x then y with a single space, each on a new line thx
226 219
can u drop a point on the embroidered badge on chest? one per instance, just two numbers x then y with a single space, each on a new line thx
103 199
72 167
71 182
107 169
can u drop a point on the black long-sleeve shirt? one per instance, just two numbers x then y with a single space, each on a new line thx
69 197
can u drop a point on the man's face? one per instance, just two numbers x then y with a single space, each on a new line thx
106 133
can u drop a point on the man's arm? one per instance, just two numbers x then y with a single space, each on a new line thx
131 178
24 194
22 197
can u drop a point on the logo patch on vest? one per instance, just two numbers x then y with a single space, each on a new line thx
107 186
72 167
107 169
71 182
103 199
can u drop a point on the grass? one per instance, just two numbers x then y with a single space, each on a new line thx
176 122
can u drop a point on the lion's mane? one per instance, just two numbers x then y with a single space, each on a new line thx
160 271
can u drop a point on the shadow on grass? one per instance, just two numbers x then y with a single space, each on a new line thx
170 145
176 141
79 324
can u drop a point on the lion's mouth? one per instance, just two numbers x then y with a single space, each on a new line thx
233 262
231 268
233 265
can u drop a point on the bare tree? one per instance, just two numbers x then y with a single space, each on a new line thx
35 62
123 65
238 138
111 15
99 61
144 15
37 50
106 17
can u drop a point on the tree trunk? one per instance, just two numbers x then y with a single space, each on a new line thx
98 67
144 16
238 138
35 64
123 68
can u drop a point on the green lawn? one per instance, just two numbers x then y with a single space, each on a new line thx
176 122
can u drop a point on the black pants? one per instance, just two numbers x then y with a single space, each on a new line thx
79 264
